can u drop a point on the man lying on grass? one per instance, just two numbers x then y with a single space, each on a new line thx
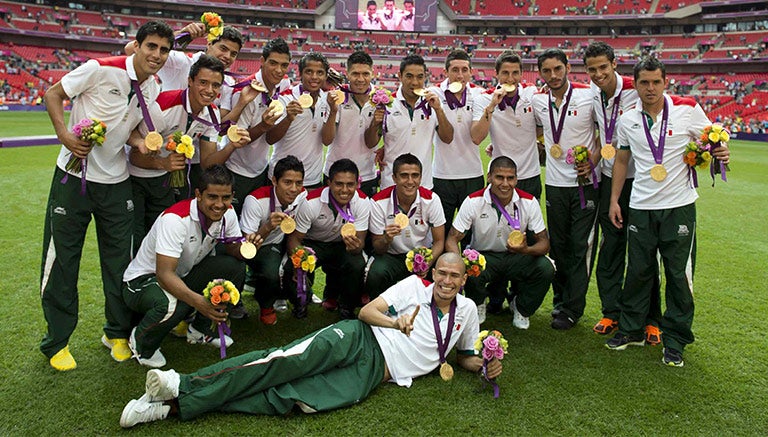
336 366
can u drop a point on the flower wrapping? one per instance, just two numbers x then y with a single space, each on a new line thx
418 260
180 143
474 262
221 291
490 345
304 260
575 156
713 136
92 130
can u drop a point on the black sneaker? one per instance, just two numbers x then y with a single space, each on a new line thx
673 357
495 306
238 311
562 322
299 311
620 341
346 313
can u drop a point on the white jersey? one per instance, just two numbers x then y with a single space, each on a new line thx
178 233
257 207
578 130
426 213
101 89
490 229
628 99
319 220
351 123
390 20
410 356
513 130
686 121
459 159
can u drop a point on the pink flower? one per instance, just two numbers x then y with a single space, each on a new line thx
569 158
499 353
418 258
491 343
488 354
471 255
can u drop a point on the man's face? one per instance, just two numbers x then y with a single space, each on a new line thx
274 67
503 182
151 55
371 10
412 77
408 7
407 179
459 71
205 87
313 76
288 187
509 73
214 201
650 86
359 76
389 5
554 73
224 50
602 71
449 278
343 186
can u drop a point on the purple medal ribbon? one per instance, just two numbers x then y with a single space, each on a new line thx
182 40
610 127
214 121
346 212
514 222
424 108
595 185
301 286
453 102
493 382
507 101
442 347
396 205
266 100
222 239
143 105
348 91
556 132
658 152
223 330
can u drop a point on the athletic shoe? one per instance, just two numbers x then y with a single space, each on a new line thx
519 321
346 313
196 337
118 348
494 306
156 360
317 301
180 330
330 304
248 288
652 335
481 310
619 342
162 385
238 311
673 357
606 326
63 360
268 316
562 322
281 305
139 411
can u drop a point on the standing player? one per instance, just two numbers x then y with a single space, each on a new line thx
390 16
408 17
369 19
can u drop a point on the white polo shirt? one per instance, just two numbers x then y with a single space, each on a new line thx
627 102
408 357
513 130
256 212
459 159
351 123
686 122
175 76
578 130
490 229
304 138
177 234
406 133
426 213
251 160
318 219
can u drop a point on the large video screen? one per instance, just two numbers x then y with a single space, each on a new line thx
387 15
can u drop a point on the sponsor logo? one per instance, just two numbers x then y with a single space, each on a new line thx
322 216
60 210
632 228
635 126
129 205
590 204
114 91
192 238
483 215
339 332
682 231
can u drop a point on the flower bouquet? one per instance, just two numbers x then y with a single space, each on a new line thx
578 155
214 26
418 260
303 260
490 345
182 144
474 262
91 130
221 291
381 97
697 155
715 136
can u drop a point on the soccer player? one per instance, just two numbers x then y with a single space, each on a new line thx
408 16
390 16
369 19
662 209
102 88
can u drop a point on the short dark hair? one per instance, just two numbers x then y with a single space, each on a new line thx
599 48
217 174
502 162
649 63
209 62
406 159
343 165
550 54
412 60
359 57
229 33
459 55
314 57
508 56
407 1
371 3
277 45
159 28
289 163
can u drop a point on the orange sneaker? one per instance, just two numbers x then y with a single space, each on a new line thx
605 326
652 335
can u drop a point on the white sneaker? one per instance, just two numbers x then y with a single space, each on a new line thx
519 321
139 411
248 288
156 360
481 313
162 385
316 299
281 305
196 337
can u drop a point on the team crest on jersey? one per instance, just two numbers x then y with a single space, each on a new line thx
682 231
573 113
483 215
528 109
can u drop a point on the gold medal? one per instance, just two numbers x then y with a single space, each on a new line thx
348 230
305 100
276 107
153 141
338 96
556 151
420 92
288 225
446 372
658 173
508 88
516 238
401 220
247 249
454 87
608 151
258 86
232 134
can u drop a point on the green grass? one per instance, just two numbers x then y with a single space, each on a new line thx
562 383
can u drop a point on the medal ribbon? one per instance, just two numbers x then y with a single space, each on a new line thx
346 212
507 101
442 347
610 127
143 105
348 91
222 239
514 222
424 108
453 102
272 203
658 152
214 121
556 132
396 205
